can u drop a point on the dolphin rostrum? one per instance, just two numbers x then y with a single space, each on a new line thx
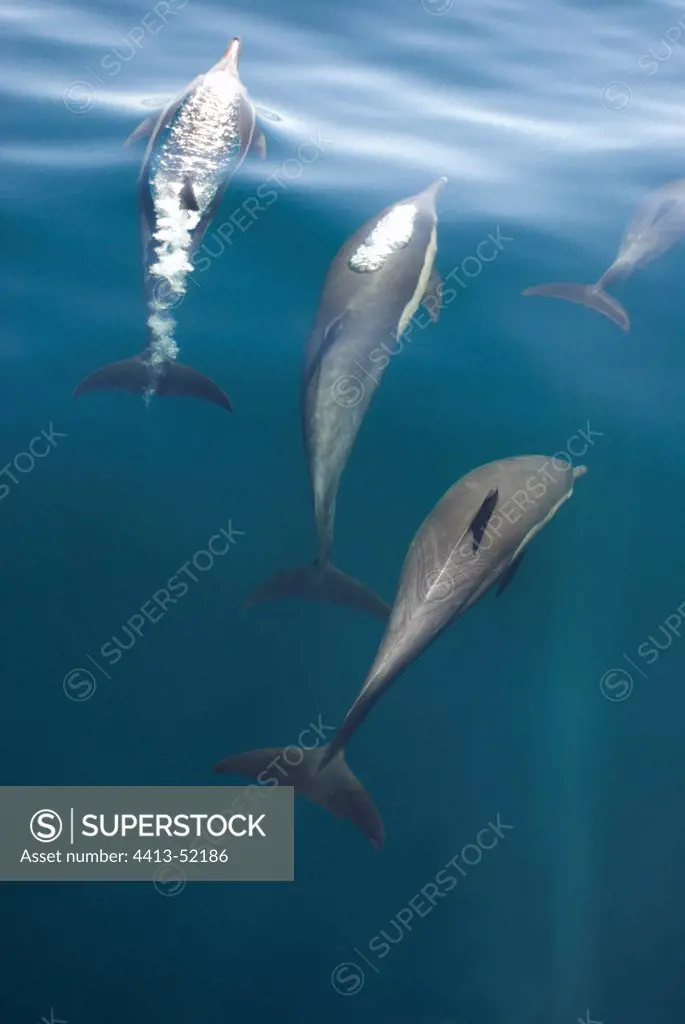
475 536
196 144
373 288
335 788
657 225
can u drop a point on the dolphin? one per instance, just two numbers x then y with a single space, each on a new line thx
372 290
196 144
335 788
475 537
657 225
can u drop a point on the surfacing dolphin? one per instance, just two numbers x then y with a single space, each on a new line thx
657 225
475 536
373 288
196 145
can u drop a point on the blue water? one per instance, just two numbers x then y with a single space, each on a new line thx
579 908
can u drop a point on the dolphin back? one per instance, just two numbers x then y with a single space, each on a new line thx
375 276
468 540
474 535
658 224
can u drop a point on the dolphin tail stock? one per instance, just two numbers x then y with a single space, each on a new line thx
336 788
591 295
353 719
170 378
319 582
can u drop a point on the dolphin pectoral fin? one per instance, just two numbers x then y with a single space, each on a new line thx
319 583
590 295
144 129
135 375
482 517
328 339
334 330
432 297
337 788
258 144
188 197
268 115
509 574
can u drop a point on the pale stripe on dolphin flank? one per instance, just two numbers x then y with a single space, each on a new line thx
578 471
417 297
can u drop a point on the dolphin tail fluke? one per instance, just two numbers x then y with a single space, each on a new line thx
337 788
320 583
590 295
136 375
182 380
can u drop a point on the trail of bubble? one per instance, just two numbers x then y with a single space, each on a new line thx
173 238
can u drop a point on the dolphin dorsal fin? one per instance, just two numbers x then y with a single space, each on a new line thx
188 197
482 517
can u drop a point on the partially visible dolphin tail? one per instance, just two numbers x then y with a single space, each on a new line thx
319 583
336 787
353 719
136 375
591 295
